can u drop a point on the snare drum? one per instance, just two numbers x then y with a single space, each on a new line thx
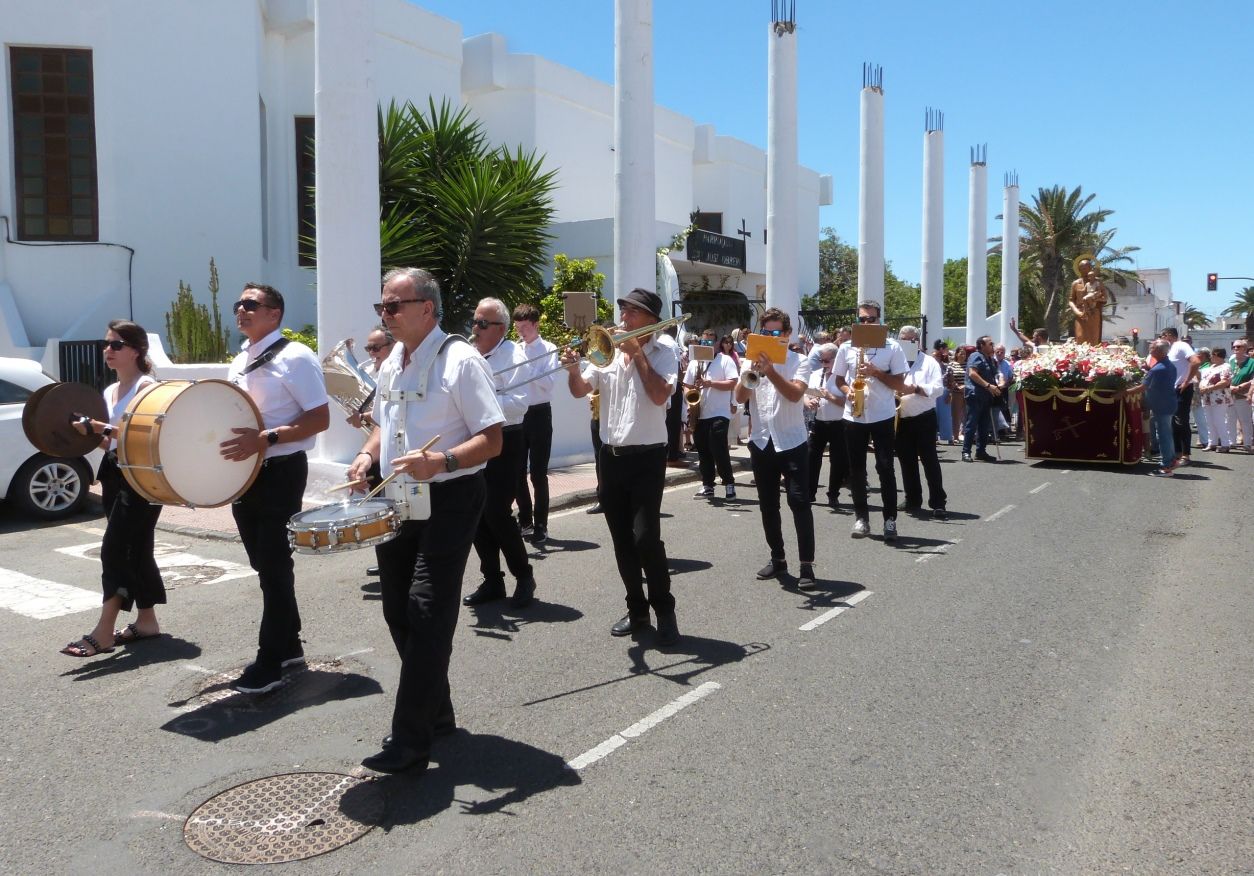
343 527
168 445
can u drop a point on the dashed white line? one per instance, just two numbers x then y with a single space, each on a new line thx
618 740
833 612
990 518
1038 489
937 551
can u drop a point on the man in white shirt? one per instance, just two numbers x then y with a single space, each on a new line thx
1187 363
284 379
538 422
778 448
433 386
917 427
883 370
715 379
498 533
827 430
634 389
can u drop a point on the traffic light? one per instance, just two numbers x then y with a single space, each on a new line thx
1212 282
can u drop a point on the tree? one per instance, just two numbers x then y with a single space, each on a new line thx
1243 305
955 286
1192 317
838 282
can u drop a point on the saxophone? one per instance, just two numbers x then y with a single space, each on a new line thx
858 397
693 398
594 405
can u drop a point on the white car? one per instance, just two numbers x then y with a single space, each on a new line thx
42 486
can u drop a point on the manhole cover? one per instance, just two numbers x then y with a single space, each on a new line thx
315 678
284 818
176 576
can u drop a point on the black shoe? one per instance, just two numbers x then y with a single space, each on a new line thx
524 594
630 624
539 536
910 507
985 457
373 571
595 509
395 759
488 591
667 629
940 514
295 657
806 580
966 457
445 727
525 529
258 678
773 569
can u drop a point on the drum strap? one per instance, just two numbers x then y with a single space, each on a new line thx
269 354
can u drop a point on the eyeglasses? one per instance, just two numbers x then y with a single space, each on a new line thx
391 308
248 304
773 333
115 345
868 319
374 348
484 323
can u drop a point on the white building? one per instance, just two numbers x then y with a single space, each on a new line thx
143 137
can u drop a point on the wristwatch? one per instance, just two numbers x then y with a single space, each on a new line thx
450 461
272 437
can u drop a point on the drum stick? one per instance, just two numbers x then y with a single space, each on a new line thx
345 486
394 475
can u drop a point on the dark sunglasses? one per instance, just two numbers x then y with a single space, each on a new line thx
772 333
865 319
115 345
248 304
373 348
484 323
391 308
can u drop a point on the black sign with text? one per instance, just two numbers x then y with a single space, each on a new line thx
716 249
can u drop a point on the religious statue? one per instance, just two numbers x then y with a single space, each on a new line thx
1088 297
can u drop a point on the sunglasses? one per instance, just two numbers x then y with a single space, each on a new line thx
374 348
772 333
115 345
484 323
391 308
866 319
248 304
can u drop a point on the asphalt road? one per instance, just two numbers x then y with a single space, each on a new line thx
1057 680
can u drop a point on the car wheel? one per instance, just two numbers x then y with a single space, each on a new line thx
49 488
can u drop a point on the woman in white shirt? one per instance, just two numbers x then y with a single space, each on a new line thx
129 573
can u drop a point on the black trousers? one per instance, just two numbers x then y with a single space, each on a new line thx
420 573
537 447
857 435
1180 432
769 465
713 453
826 434
631 497
916 442
127 568
497 532
596 449
675 424
261 515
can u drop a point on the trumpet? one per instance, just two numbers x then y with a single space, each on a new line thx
857 398
751 378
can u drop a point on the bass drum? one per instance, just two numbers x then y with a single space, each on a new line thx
168 446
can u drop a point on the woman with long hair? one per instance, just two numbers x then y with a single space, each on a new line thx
129 573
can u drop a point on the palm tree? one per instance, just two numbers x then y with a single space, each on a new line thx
1243 305
1192 317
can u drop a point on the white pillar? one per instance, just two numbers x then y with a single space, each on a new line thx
1010 260
871 188
977 246
781 170
346 150
635 247
932 275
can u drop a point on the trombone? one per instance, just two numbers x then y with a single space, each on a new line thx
597 345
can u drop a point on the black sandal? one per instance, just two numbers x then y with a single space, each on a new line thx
76 649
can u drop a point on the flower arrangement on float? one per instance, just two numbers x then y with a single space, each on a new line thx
1080 366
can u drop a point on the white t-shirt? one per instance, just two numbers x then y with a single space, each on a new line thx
460 400
926 373
117 406
775 418
881 403
539 391
714 402
827 411
1179 355
284 388
628 416
513 403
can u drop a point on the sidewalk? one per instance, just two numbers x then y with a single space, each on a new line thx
568 487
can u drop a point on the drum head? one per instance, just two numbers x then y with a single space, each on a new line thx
196 421
46 418
343 512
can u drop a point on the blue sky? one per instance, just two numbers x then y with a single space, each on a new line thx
1148 104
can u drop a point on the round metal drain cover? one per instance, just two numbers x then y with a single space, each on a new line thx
284 818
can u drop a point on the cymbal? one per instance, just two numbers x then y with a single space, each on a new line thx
46 418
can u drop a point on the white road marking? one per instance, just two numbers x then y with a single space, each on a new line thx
832 612
937 551
169 556
1065 471
1038 489
990 518
151 813
355 653
618 740
40 599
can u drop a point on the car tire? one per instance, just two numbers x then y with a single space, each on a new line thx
49 488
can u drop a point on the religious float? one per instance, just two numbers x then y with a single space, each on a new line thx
1073 405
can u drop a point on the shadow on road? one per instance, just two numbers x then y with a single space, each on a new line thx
496 620
681 566
561 546
132 656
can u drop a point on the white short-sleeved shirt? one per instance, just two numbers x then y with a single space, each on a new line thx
1179 355
539 391
513 403
117 406
284 388
775 418
714 402
628 416
925 372
827 411
460 400
881 403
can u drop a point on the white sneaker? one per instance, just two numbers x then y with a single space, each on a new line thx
860 529
704 493
890 530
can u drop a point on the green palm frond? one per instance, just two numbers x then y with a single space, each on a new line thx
1243 304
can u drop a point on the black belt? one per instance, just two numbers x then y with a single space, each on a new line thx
286 457
631 449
